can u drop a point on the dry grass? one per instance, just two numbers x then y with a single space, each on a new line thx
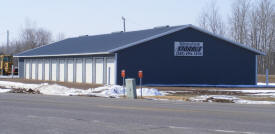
261 78
183 98
257 98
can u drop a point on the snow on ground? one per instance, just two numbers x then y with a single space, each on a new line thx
4 90
118 91
233 99
55 89
9 76
256 92
264 84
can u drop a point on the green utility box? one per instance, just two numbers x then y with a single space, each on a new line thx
131 88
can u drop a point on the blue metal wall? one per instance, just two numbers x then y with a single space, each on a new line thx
221 63
21 67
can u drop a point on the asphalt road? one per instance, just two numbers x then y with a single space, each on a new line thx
41 114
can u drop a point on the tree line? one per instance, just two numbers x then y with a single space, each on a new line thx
250 22
29 37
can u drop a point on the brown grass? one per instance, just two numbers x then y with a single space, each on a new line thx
261 78
257 98
184 98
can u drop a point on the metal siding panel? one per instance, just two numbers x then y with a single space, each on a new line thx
116 69
111 66
36 71
27 69
40 70
53 68
89 70
74 70
79 73
84 70
70 70
57 70
21 67
43 69
62 70
50 69
99 71
94 70
104 70
47 69
33 69
66 70
256 69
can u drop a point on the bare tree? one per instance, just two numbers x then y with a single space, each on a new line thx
262 32
211 20
60 36
32 37
238 21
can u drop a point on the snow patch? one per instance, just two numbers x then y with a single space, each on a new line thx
55 89
264 84
233 99
4 90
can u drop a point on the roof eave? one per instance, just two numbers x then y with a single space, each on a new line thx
63 55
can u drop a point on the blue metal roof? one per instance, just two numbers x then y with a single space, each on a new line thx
107 43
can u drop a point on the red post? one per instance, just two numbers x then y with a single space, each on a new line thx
123 74
140 75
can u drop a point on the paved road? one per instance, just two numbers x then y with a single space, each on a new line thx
33 114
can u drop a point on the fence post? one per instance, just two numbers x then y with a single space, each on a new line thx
12 70
266 77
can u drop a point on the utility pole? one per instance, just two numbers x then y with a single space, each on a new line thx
124 27
8 40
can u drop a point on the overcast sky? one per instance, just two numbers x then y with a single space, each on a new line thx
89 17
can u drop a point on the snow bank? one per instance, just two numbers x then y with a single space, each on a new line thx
233 99
116 91
9 76
55 89
263 84
256 92
4 90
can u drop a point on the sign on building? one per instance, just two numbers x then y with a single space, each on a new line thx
188 49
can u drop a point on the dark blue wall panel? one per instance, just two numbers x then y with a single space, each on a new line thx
21 67
222 62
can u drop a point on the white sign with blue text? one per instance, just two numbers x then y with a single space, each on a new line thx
188 49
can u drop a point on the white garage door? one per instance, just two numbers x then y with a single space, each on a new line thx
54 63
99 71
111 71
27 71
79 71
70 70
89 70
47 70
40 71
62 71
33 70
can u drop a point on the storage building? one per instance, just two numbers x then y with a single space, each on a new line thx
177 55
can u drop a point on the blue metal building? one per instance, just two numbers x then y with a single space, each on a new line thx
178 55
